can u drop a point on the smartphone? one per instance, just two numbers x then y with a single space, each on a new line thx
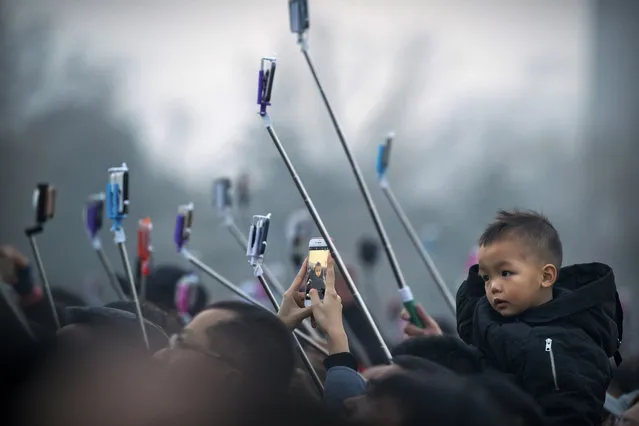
44 202
95 213
222 194
387 150
145 226
119 177
298 14
316 270
183 224
267 75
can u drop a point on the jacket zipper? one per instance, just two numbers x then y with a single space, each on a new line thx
551 355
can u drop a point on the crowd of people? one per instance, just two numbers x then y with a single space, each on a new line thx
536 343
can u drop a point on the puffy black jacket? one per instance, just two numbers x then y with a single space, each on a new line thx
558 352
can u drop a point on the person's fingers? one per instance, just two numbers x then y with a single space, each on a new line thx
303 313
427 320
299 277
330 273
412 330
404 315
315 299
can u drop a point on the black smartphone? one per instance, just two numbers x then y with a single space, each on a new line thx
298 14
44 202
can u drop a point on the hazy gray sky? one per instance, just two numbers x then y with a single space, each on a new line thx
189 72
487 100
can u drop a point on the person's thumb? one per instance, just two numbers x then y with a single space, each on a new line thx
314 296
404 315
427 321
303 313
423 316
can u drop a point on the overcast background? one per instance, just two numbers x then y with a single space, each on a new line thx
496 104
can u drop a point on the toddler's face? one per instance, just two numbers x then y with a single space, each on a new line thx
512 277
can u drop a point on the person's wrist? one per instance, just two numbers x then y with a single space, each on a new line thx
337 341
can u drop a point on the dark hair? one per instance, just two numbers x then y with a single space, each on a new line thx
427 400
447 351
532 228
67 298
416 364
161 285
518 406
150 312
260 345
116 323
318 264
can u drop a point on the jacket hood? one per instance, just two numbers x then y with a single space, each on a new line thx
586 296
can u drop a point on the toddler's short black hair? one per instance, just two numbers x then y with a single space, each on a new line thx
532 228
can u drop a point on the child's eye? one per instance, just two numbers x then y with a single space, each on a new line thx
506 273
485 278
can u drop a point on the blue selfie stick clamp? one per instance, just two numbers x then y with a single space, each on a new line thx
257 242
265 84
383 158
117 199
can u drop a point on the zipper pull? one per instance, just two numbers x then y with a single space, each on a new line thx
548 345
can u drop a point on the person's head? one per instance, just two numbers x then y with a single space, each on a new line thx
161 286
447 351
407 399
235 348
101 328
520 255
318 269
408 364
150 312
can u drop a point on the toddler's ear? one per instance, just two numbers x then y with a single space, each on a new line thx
549 276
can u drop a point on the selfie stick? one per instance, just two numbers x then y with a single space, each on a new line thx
404 290
117 198
255 250
40 201
181 237
383 158
93 213
145 226
265 86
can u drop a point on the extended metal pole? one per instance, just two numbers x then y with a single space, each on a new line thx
120 241
423 254
43 278
392 259
104 260
324 232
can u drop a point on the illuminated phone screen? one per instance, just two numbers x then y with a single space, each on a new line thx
316 271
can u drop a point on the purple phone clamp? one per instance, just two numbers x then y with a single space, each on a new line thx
183 223
265 83
94 214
